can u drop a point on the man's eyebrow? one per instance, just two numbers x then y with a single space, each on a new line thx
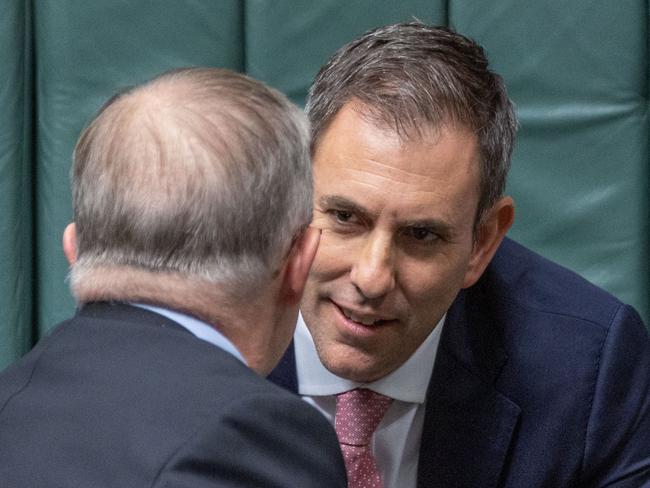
342 203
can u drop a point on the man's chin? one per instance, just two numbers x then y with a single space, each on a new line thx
353 365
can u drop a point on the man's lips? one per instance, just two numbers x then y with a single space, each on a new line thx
363 319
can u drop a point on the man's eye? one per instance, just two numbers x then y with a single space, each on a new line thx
341 216
421 234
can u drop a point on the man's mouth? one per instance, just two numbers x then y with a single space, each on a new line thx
363 319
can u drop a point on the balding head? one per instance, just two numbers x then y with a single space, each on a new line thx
202 172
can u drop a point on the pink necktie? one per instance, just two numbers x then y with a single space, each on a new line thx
358 413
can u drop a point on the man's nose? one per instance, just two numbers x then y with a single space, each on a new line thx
373 271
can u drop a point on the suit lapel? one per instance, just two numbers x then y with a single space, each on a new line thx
284 374
467 430
468 424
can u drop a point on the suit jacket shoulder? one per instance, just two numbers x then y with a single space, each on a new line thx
518 277
120 396
542 379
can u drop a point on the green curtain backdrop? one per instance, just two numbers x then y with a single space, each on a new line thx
85 51
577 71
16 176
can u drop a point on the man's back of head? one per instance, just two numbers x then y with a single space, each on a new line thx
192 192
202 172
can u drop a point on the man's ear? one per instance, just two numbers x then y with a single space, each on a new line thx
298 264
70 243
489 234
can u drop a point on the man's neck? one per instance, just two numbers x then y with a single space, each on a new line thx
232 315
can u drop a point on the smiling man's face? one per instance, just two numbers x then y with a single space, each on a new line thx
397 242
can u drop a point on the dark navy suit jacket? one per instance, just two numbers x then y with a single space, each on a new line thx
122 397
541 380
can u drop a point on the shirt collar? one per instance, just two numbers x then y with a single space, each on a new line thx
407 383
197 327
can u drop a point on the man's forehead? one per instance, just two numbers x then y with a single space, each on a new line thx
353 141
408 128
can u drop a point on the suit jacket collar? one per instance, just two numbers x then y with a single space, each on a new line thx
127 313
285 374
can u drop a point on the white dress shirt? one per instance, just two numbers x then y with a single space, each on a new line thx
396 443
197 327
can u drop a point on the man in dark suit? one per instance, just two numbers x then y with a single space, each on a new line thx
487 365
189 253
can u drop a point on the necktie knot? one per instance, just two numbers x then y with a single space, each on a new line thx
358 413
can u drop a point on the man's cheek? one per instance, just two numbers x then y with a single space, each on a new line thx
333 255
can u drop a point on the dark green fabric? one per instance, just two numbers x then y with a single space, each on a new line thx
578 72
85 52
287 41
15 182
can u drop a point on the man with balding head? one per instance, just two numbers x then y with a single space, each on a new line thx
189 252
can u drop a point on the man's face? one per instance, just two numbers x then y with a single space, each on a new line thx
397 243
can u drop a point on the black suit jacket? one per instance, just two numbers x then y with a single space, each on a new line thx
541 380
123 397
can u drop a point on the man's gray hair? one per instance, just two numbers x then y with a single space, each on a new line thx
411 77
201 171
